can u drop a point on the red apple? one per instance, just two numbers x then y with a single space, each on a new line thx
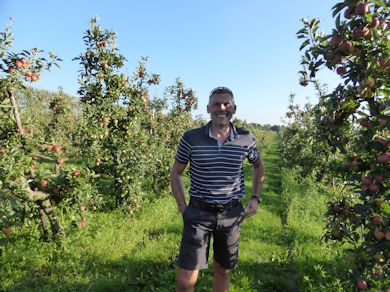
361 9
353 165
61 160
387 235
336 208
366 123
357 32
366 32
379 272
25 63
381 141
55 148
375 22
18 64
373 187
82 208
336 40
378 234
362 284
383 158
379 178
345 47
336 59
44 183
7 230
377 219
340 70
75 173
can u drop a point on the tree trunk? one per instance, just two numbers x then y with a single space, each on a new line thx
16 111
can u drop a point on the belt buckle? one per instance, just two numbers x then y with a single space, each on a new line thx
220 207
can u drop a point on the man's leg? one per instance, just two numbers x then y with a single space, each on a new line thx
221 278
186 280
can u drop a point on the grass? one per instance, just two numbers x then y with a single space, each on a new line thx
280 247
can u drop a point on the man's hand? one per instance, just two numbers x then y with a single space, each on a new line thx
251 208
182 208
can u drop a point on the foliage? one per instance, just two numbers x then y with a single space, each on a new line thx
125 135
19 198
303 147
355 121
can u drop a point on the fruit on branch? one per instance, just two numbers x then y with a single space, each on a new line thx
75 173
7 230
377 219
362 284
44 183
55 148
379 235
361 9
340 70
383 158
336 40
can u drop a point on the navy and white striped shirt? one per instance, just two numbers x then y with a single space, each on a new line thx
217 173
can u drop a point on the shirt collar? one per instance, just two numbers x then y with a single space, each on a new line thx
233 131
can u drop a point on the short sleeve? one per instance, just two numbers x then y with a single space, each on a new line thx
183 153
253 152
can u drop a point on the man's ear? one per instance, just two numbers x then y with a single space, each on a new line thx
235 108
208 109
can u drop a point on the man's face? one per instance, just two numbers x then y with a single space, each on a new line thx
221 108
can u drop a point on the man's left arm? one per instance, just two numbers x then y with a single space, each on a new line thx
257 185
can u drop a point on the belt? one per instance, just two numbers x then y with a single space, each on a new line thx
209 207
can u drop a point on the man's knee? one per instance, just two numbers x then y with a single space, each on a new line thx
221 270
186 280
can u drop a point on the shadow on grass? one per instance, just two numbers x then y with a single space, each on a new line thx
130 274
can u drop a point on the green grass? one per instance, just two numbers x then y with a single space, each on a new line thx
280 247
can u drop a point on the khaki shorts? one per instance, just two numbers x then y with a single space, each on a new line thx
199 226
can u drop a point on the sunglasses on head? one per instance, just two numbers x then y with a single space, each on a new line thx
221 89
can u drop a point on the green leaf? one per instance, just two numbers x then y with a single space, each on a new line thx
337 8
305 43
385 208
302 31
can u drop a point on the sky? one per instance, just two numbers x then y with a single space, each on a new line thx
249 46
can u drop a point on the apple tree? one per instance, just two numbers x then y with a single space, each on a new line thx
355 119
20 199
125 135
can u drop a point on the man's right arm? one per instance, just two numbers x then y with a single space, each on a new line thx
177 185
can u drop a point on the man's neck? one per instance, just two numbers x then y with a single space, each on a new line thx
220 132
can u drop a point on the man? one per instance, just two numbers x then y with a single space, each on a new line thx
216 153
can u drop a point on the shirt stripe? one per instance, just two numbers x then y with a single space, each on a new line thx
217 173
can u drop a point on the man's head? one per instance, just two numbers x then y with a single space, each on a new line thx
221 105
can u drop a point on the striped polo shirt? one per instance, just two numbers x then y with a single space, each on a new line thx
217 173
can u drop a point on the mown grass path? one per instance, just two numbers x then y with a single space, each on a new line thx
120 253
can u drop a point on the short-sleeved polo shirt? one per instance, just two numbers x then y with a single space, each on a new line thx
217 173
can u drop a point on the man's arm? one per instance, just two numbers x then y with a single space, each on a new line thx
177 185
257 185
258 177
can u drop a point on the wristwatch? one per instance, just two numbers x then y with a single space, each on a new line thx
257 197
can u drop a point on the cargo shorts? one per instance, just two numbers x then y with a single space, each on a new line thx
199 227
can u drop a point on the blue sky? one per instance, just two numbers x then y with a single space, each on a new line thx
248 46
